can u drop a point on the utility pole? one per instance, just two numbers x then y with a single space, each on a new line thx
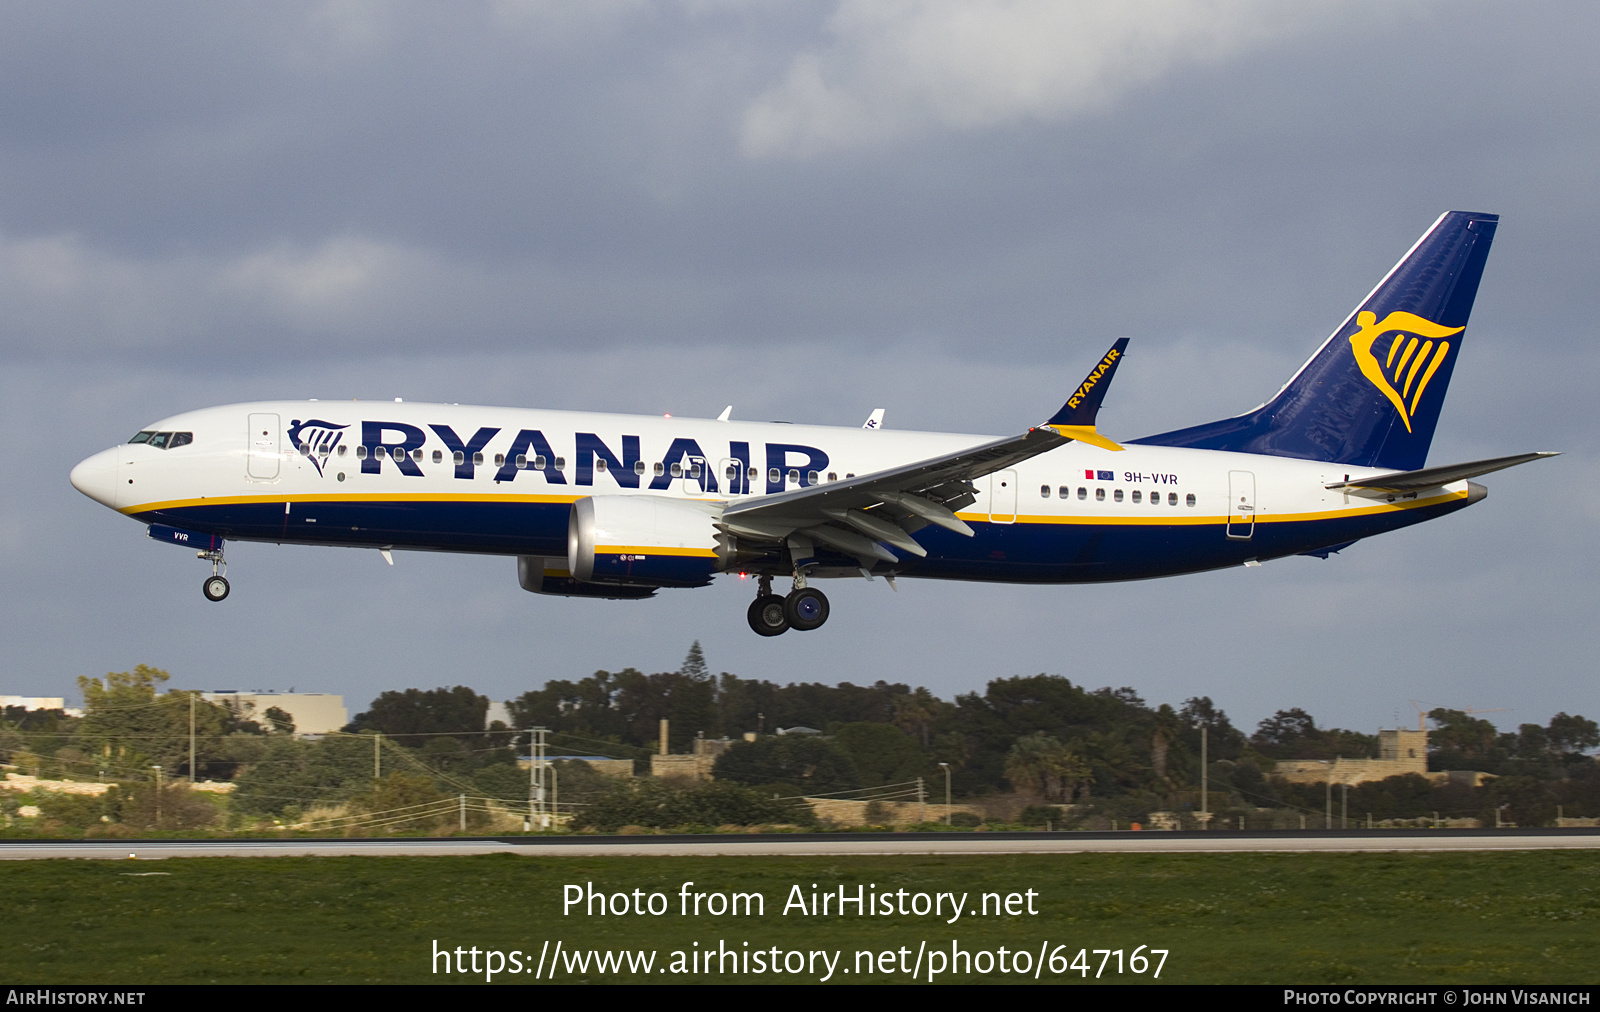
1344 809
192 694
463 800
946 766
158 795
1327 816
1205 785
922 800
536 809
377 763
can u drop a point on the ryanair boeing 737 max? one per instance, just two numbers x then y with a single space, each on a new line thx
620 506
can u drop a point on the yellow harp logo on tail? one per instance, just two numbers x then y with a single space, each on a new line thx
1414 355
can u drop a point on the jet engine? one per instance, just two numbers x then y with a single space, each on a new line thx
647 540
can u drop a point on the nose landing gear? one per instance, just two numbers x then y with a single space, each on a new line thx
804 608
215 587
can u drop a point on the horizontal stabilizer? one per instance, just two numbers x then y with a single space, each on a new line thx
1433 477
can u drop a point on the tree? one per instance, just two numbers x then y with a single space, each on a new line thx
881 753
1039 764
652 803
694 665
802 761
127 727
281 721
418 712
1573 735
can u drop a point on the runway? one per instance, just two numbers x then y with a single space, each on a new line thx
826 844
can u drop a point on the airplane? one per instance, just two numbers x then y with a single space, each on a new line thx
621 506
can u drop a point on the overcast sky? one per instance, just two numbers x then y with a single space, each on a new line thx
947 209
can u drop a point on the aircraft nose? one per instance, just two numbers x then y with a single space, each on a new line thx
96 477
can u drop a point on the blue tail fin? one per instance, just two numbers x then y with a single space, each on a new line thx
1371 394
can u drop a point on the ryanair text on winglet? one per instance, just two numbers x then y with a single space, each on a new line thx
1094 377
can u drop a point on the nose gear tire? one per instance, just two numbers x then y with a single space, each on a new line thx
215 588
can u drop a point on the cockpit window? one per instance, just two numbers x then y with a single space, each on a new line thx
163 440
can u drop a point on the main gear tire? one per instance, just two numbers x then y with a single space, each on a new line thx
768 615
806 609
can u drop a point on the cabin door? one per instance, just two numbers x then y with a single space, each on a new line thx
262 440
1241 505
1003 497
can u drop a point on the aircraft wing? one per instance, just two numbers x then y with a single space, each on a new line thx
888 506
1433 477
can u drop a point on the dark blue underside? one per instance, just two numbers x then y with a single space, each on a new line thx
1008 553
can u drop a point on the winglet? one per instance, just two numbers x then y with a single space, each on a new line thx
1076 418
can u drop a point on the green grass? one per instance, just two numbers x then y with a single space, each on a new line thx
1227 918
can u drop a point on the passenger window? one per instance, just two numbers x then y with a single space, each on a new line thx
416 454
1044 491
561 463
1064 492
1083 493
477 459
438 456
774 476
460 458
540 461
754 474
794 475
731 473
522 461
1172 498
1189 499
811 477
1099 495
499 460
361 452
694 469
849 475
341 449
141 437
305 449
659 469
833 475
1136 495
638 467
1117 495
180 439
600 464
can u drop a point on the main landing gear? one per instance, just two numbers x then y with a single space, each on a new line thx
804 608
215 587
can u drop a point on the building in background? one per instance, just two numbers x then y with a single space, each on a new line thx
312 712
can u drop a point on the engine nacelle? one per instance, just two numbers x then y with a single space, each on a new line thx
643 540
550 576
